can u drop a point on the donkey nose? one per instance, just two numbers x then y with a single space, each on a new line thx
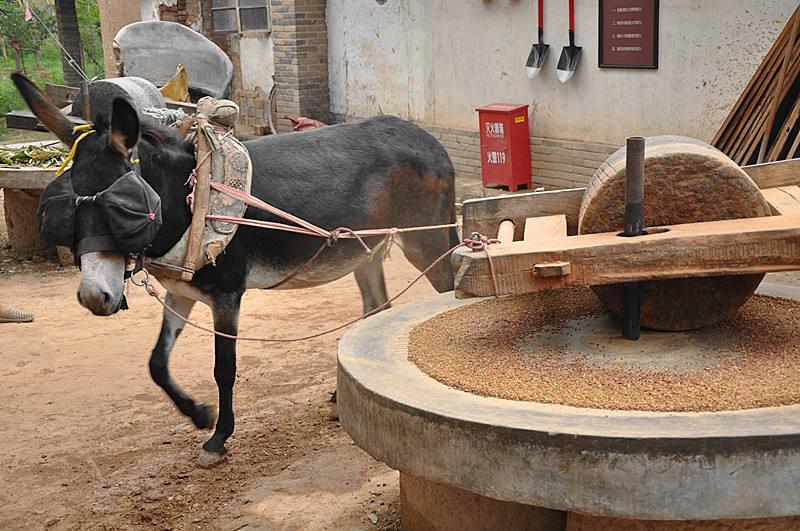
97 299
102 282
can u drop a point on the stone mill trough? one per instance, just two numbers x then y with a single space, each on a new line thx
540 409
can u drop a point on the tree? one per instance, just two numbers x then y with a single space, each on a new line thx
19 33
70 35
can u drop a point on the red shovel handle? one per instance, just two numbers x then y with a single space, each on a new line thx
572 15
541 14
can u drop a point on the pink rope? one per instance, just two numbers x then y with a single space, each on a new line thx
476 243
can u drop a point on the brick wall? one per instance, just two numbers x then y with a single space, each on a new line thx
300 36
174 13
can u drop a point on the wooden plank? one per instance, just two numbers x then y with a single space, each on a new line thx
758 76
783 200
783 134
794 151
752 93
756 130
730 247
545 227
484 215
26 178
552 269
778 89
774 174
506 231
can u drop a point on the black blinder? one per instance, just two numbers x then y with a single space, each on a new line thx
56 213
133 211
130 206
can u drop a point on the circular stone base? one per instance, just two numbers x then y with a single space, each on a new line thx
425 505
609 463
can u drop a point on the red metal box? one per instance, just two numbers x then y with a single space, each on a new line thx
505 146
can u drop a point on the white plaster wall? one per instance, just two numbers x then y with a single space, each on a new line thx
434 61
258 62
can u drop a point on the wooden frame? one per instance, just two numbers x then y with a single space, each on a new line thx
600 49
730 247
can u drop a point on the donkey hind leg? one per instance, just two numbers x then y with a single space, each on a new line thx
423 248
202 415
225 310
372 284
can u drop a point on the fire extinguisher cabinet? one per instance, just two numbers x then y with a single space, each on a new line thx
505 146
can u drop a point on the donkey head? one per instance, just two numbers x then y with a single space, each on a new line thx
101 158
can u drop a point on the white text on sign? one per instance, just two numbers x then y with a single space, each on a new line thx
496 157
494 130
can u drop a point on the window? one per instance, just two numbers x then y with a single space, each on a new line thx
237 16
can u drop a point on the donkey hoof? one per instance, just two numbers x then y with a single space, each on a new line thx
203 417
211 459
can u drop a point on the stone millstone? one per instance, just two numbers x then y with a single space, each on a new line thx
139 92
686 181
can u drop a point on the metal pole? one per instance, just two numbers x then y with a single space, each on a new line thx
87 105
634 223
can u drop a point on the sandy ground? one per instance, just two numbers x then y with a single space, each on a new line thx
90 442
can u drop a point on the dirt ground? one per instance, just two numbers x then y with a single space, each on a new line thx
90 442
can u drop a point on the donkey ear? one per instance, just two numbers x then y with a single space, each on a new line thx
43 109
124 133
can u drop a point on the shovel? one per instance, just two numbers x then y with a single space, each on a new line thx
571 54
539 50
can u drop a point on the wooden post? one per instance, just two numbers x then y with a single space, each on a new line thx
634 223
201 199
506 231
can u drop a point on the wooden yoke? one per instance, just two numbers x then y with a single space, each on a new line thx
714 248
202 193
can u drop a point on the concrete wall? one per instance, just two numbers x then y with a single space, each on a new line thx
434 61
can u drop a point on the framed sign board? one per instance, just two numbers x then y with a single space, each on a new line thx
628 34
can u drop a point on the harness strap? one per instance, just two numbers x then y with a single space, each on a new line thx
92 244
87 130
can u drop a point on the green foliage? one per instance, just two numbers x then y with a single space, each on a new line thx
29 35
48 69
89 23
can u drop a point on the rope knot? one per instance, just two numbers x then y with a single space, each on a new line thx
479 242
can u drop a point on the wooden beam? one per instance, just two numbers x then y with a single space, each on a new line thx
783 200
546 227
26 178
484 215
774 174
715 248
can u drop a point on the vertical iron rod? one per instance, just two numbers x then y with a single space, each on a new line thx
87 105
634 224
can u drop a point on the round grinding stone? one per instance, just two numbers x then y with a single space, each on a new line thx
138 91
686 181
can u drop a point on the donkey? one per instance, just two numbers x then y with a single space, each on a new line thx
377 172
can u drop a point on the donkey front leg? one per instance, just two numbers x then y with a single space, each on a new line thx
202 415
226 320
